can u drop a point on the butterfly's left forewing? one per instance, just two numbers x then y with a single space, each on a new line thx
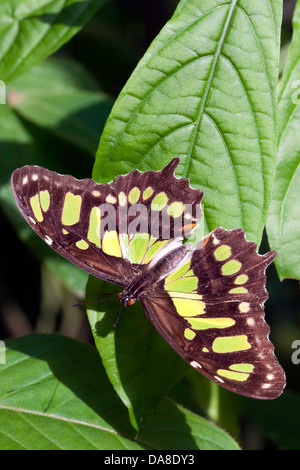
211 312
65 213
110 230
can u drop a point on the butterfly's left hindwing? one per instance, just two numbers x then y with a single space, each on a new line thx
211 312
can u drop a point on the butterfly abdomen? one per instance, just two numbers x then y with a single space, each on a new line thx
145 282
166 264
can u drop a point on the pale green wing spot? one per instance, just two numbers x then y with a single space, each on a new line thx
138 247
147 193
238 290
189 334
152 240
178 272
183 285
231 267
111 245
242 367
189 308
153 250
189 273
159 202
45 200
134 195
36 208
175 209
227 374
82 245
185 295
71 209
206 323
222 253
228 344
242 279
94 226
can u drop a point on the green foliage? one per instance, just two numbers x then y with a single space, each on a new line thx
132 355
65 100
284 218
31 30
47 403
205 90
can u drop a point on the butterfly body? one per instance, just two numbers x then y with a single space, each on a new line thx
206 301
144 283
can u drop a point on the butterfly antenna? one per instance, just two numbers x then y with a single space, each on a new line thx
117 320
93 301
113 292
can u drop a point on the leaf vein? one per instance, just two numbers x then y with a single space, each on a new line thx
208 84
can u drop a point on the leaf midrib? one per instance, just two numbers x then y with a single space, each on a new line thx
60 418
208 87
166 77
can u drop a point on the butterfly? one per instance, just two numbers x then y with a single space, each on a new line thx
207 300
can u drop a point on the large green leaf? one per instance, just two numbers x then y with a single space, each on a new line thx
205 91
222 406
31 30
139 363
284 219
174 427
54 395
59 95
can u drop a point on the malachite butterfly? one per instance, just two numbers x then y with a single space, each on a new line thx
207 301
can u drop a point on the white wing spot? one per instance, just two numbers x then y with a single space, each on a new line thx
34 177
196 364
110 199
244 307
265 386
32 220
48 240
219 379
216 241
25 180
